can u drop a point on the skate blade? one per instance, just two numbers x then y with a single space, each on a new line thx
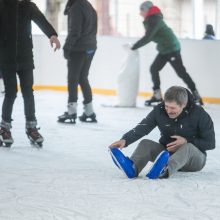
67 121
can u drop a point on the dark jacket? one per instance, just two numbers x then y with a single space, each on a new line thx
82 27
193 123
158 32
18 54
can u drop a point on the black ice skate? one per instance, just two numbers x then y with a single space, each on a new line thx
197 98
155 99
6 139
35 137
89 119
67 118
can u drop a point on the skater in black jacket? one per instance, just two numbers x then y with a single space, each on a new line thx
186 129
79 50
16 58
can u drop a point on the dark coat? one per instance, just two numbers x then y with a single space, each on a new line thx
82 27
16 41
193 123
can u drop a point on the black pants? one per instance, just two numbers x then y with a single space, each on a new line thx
26 82
78 71
176 62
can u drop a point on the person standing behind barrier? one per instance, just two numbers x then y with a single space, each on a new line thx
16 58
169 50
209 33
79 50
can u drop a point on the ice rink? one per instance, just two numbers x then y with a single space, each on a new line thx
73 177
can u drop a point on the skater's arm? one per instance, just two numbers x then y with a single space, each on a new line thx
41 21
142 129
75 18
205 139
150 32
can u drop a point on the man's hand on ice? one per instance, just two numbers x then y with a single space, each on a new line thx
118 144
175 145
55 40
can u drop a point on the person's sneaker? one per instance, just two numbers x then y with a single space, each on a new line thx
123 163
159 165
34 136
6 137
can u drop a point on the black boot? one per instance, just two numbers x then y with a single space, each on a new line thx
67 118
197 98
85 118
6 139
155 99
34 136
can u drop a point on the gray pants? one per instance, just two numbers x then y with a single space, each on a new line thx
188 158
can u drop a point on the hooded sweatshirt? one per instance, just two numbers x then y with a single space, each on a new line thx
158 32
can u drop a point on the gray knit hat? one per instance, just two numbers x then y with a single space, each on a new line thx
145 6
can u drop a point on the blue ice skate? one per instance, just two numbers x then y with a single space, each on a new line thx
159 165
123 163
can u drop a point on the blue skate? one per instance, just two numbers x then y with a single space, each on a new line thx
123 163
159 165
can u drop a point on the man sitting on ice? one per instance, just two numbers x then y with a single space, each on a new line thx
187 132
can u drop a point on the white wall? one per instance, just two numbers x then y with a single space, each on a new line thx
201 59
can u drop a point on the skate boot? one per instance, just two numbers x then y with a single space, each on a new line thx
155 99
88 115
33 134
197 98
71 115
159 167
123 163
6 139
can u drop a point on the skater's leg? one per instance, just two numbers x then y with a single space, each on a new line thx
155 68
176 62
26 82
10 83
75 66
146 151
84 81
188 158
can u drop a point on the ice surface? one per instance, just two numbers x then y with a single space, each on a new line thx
73 176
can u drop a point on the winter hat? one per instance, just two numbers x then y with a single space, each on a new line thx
209 30
145 6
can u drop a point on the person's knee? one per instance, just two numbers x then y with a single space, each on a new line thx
147 144
11 94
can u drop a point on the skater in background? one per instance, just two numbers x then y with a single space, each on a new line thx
79 50
16 58
169 50
186 130
209 33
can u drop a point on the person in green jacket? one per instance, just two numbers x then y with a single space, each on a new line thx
169 51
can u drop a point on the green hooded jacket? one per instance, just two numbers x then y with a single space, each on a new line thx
158 32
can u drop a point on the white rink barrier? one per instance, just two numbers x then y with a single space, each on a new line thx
201 59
